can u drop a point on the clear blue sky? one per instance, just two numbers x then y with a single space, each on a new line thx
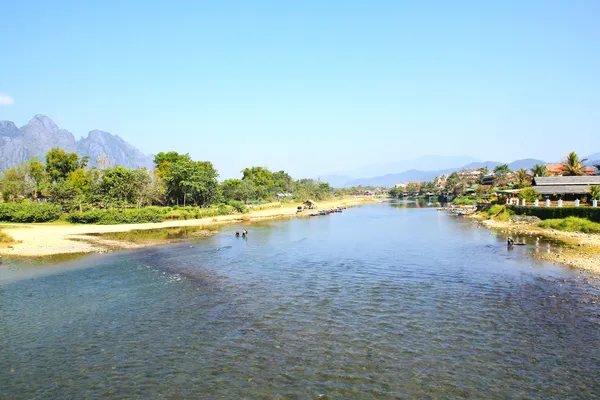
311 87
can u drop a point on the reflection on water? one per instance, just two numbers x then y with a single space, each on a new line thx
376 302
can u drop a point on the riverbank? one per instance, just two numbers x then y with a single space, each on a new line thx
35 240
577 250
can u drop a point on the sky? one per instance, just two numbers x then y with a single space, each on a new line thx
310 87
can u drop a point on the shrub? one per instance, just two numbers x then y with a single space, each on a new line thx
529 194
5 238
500 212
465 201
29 212
591 213
238 206
571 224
118 216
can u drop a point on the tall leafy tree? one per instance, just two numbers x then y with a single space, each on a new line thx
59 164
523 179
262 179
539 170
572 165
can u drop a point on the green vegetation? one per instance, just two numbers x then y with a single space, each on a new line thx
178 188
572 165
590 213
27 211
5 238
571 224
529 194
465 201
500 212
594 192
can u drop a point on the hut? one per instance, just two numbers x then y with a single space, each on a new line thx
565 187
310 204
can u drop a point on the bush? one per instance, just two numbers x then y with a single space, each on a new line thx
118 216
500 212
29 212
238 206
591 213
571 224
530 195
465 201
5 238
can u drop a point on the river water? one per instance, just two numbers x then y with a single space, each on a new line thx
378 302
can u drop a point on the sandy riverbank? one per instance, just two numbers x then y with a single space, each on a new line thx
34 240
577 250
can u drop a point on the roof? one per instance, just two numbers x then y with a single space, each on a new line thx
562 189
558 169
566 180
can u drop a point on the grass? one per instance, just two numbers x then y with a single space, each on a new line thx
500 213
5 238
571 224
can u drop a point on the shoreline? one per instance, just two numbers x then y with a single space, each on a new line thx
577 250
38 240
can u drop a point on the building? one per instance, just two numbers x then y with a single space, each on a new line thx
557 169
567 187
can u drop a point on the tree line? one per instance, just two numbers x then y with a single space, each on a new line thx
67 180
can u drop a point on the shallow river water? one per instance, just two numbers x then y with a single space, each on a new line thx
378 302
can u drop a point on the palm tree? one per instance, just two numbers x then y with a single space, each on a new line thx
539 170
572 165
523 179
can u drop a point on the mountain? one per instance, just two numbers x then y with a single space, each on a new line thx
417 175
99 144
425 163
336 181
41 134
526 164
592 160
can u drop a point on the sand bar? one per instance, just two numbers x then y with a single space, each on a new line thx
34 240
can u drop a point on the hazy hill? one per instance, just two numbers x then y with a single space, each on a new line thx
41 134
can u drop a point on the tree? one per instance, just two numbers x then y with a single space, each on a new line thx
14 183
59 164
117 187
36 172
522 178
539 170
64 194
283 182
484 171
195 180
572 165
594 192
262 179
529 194
413 188
501 173
451 182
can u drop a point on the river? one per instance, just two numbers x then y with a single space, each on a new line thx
378 302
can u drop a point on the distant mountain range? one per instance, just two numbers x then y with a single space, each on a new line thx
428 174
41 134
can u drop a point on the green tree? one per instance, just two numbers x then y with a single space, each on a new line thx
594 192
262 179
451 183
572 165
36 173
193 180
63 193
539 170
14 183
117 187
502 173
283 182
59 164
529 194
522 178
413 188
